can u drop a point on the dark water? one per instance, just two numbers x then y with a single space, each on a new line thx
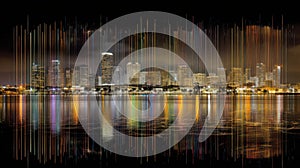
254 131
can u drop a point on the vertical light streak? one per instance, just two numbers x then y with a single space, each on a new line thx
245 46
197 108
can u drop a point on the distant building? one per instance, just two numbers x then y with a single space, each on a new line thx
235 76
247 75
254 80
55 74
117 76
269 81
183 73
76 76
106 66
277 76
199 78
133 70
143 75
83 76
37 77
166 78
68 77
153 78
260 73
80 76
221 73
212 79
188 82
173 79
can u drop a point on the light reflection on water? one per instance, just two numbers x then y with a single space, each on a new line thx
252 126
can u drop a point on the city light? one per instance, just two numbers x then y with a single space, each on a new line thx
141 91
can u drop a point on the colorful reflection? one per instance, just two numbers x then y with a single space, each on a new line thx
47 128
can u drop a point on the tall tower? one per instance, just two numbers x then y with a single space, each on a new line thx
68 77
84 76
80 76
260 73
55 75
106 68
37 77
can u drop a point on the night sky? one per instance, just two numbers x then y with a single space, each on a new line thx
87 11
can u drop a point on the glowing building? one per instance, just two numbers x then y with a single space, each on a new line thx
184 74
37 77
106 65
199 78
260 73
236 76
55 74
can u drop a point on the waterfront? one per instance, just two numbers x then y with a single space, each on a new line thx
254 131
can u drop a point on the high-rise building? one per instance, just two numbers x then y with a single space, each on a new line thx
269 79
236 76
133 70
55 74
34 75
68 77
37 77
260 73
277 75
83 76
76 76
183 73
80 76
106 66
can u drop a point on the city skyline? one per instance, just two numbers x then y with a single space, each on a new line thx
240 46
190 84
262 15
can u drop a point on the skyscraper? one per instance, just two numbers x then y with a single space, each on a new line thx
37 77
260 73
236 76
55 74
83 76
269 79
80 76
183 73
106 68
68 77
